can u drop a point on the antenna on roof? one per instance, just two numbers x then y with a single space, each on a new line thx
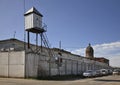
14 34
59 44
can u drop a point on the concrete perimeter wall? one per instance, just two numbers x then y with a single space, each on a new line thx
12 64
21 64
38 65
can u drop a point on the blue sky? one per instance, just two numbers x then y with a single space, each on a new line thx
73 22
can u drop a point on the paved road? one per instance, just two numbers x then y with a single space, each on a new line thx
107 80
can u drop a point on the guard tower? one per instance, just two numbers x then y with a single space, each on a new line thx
33 24
33 21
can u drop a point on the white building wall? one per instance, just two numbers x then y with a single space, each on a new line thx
21 64
71 64
12 64
4 64
37 65
79 67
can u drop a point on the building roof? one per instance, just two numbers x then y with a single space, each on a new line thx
61 50
11 39
101 58
33 10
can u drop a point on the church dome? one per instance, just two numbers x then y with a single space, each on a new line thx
89 52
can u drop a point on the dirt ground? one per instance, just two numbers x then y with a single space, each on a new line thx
106 80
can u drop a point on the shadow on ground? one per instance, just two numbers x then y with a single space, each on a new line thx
62 78
106 80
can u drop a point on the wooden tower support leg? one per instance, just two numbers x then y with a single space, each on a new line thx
36 40
28 34
41 41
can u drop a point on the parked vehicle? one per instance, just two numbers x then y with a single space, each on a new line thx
98 73
104 72
110 71
89 73
94 73
116 72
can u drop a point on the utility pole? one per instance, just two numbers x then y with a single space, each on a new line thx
24 26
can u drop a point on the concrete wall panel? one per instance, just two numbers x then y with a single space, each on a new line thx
3 70
17 58
4 58
12 64
16 71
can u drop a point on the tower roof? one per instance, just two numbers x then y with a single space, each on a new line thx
89 48
33 10
89 52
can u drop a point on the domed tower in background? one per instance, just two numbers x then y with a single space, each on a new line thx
89 52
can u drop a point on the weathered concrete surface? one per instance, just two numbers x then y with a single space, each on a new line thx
108 80
21 64
12 64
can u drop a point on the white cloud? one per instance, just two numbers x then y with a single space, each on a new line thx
110 51
115 61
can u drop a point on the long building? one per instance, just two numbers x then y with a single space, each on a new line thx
18 61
